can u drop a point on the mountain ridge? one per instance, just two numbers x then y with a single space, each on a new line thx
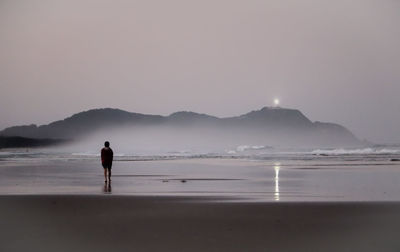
275 121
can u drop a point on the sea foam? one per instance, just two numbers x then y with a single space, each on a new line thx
343 151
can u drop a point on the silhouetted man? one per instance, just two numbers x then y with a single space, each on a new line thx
107 156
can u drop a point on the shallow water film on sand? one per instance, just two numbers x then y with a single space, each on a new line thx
252 173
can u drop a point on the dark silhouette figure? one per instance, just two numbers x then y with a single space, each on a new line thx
107 156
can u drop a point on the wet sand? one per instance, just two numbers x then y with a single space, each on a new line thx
289 180
142 223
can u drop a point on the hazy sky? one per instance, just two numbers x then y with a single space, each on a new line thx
334 60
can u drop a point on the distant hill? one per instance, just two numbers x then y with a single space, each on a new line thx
267 125
81 124
17 142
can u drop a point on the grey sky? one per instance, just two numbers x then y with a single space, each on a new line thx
336 60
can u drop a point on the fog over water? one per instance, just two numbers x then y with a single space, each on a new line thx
336 61
162 142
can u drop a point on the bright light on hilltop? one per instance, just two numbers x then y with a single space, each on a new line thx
276 102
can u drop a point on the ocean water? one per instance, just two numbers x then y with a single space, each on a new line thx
245 173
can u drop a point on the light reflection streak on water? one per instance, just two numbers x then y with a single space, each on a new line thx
276 193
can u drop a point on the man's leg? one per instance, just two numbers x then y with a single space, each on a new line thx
109 174
105 175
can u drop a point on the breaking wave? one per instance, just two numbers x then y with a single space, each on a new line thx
355 151
244 148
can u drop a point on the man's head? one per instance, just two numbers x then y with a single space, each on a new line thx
107 144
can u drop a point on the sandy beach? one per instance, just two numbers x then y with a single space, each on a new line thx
62 204
132 223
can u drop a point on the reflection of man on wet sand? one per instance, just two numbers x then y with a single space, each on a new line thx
107 156
107 188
